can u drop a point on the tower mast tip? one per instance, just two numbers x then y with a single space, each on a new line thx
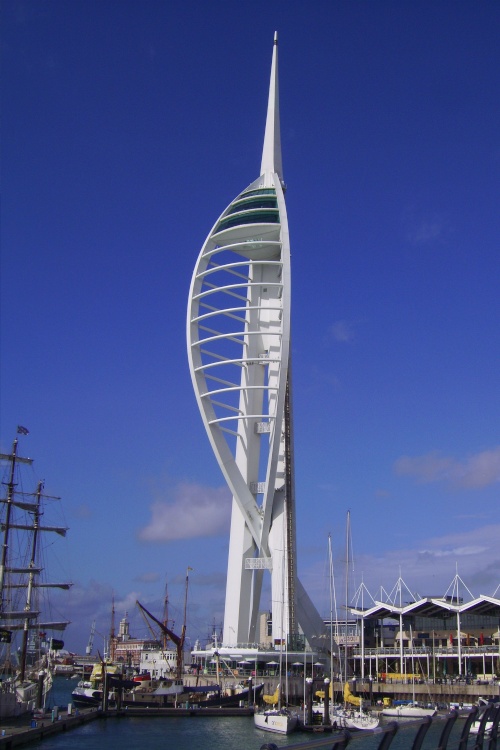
271 153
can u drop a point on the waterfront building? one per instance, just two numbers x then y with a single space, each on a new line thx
158 662
432 637
238 336
125 649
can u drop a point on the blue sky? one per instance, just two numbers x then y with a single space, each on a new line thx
127 128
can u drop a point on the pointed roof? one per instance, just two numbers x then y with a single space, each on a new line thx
271 153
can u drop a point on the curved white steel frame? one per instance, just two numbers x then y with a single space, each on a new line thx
238 333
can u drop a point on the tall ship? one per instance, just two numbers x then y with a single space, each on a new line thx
29 636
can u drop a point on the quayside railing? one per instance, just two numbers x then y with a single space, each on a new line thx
415 732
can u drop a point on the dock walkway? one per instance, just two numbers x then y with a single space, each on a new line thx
22 731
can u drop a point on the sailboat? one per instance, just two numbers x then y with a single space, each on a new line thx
410 710
157 681
25 646
275 718
351 715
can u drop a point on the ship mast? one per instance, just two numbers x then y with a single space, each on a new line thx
14 459
31 578
15 574
178 640
165 617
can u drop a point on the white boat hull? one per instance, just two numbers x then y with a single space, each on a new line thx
347 719
275 721
409 712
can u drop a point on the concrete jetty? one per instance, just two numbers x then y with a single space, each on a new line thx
17 732
21 731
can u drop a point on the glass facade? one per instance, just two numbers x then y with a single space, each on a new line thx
256 202
252 217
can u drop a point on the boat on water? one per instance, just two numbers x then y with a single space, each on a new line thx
89 692
408 711
26 644
164 692
159 680
349 715
275 718
144 690
351 718
352 714
279 720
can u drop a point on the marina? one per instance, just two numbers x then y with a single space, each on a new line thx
235 731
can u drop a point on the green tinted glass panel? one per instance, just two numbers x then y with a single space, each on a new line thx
253 217
260 191
255 202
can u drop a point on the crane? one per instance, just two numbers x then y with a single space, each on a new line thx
90 644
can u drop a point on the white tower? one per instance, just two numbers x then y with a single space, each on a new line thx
238 334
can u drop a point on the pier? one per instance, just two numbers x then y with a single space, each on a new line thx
24 730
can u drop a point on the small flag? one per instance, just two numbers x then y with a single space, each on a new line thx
22 430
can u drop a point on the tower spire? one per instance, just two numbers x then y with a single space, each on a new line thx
271 153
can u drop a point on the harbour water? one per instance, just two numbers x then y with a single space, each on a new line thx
202 733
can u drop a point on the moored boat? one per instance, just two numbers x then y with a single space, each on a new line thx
352 718
275 718
409 711
353 714
349 715
278 720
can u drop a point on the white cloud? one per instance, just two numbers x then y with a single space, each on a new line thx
454 552
477 471
341 331
424 229
151 577
194 511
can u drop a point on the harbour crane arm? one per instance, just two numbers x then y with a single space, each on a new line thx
90 644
